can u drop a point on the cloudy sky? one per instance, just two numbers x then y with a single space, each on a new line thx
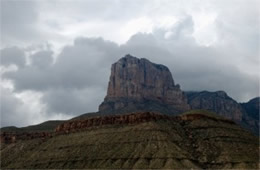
56 54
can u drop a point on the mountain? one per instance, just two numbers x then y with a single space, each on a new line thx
142 123
246 114
196 139
218 102
252 108
251 114
140 85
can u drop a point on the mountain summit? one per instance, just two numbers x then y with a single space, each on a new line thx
138 85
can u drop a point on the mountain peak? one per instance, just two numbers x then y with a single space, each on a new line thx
129 56
138 84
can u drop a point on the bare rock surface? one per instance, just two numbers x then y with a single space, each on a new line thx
218 102
245 114
140 85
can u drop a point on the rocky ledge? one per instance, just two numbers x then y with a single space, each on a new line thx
12 137
100 121
133 118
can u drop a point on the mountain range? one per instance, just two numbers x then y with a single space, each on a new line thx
145 121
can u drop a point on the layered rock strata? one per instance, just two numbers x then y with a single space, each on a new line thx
12 137
126 119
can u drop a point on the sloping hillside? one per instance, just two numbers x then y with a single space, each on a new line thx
45 126
140 140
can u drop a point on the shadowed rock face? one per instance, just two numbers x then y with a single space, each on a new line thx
218 102
252 108
246 114
251 115
137 84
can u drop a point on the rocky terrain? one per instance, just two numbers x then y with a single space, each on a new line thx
140 85
13 137
246 114
196 139
75 125
218 102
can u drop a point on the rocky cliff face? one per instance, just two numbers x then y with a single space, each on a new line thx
251 114
246 114
218 102
252 108
138 84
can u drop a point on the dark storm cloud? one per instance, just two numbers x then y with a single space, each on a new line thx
76 82
84 64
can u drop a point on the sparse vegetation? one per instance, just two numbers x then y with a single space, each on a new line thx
199 143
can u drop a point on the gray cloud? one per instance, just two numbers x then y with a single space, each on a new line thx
12 55
18 21
84 64
75 81
81 71
12 110
74 101
196 67
42 59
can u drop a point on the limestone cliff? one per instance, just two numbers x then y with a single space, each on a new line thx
138 84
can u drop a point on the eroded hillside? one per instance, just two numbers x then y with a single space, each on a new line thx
196 139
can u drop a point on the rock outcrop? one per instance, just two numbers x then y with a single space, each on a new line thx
245 114
12 137
218 102
140 85
134 118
